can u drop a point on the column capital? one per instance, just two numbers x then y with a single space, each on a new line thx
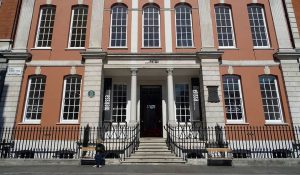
134 71
170 71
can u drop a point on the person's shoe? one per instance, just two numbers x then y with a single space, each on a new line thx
95 166
100 166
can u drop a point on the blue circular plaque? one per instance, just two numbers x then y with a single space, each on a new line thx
91 93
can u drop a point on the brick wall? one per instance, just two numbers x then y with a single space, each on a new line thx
296 4
8 11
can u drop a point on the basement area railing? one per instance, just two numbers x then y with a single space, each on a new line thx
67 142
191 141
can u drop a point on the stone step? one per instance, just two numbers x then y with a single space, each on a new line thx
152 140
152 147
153 150
140 161
153 157
141 153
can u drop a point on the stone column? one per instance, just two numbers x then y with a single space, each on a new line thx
91 111
281 25
96 25
24 25
207 34
133 109
134 26
172 117
11 92
210 76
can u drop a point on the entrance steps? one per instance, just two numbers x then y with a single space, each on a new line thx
153 151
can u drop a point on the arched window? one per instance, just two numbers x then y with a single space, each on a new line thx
118 27
151 26
34 99
78 26
45 27
71 99
270 98
184 31
233 98
258 26
224 26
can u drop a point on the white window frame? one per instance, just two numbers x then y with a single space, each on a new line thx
192 32
63 102
232 28
231 121
189 101
71 27
112 109
110 33
39 28
265 26
32 121
159 32
281 120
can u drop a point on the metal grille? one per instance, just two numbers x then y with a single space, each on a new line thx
119 102
270 98
78 26
71 100
258 26
118 26
35 99
224 26
184 32
183 113
45 30
151 36
233 98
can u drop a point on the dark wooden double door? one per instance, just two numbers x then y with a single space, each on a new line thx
151 111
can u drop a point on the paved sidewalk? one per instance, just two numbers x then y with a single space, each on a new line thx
149 169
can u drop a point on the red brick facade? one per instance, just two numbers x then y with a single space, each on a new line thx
296 4
8 18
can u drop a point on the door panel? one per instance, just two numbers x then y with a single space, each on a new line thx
151 111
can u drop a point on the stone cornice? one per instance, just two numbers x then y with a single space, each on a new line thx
16 55
209 54
147 56
287 55
93 55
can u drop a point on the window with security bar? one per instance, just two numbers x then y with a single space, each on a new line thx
183 113
71 99
224 26
45 27
258 26
270 98
184 31
234 108
119 103
151 26
118 29
78 27
34 99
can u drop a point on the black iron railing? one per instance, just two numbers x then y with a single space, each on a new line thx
190 141
120 140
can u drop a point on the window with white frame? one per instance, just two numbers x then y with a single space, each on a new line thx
224 26
234 108
151 26
118 27
119 103
183 113
34 99
270 98
184 31
71 99
258 26
78 27
45 28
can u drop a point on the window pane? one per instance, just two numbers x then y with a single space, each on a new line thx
183 26
45 29
233 98
151 26
182 103
224 26
78 26
258 26
118 26
119 102
35 98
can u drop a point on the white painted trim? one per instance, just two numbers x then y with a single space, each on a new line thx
55 63
250 63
